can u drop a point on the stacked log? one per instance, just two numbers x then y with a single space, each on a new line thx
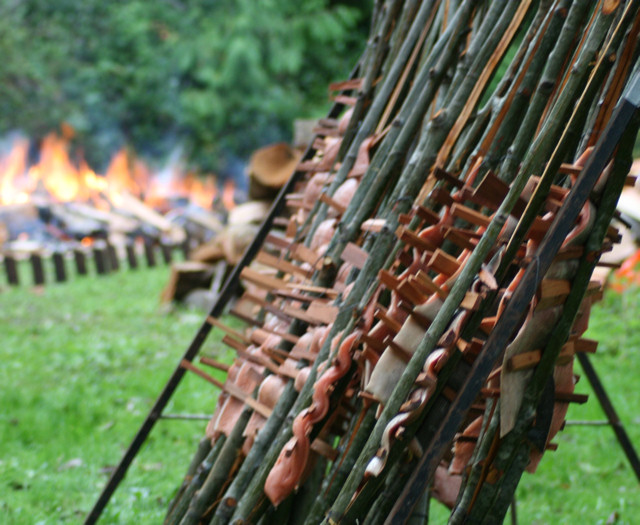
412 322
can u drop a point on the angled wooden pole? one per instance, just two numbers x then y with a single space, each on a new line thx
623 115
227 292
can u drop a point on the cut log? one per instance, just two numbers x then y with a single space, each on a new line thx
270 168
184 277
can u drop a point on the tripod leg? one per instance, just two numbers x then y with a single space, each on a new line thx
612 416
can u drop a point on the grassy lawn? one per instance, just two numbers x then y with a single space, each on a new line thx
82 363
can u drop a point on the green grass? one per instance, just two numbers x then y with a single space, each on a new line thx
588 479
83 362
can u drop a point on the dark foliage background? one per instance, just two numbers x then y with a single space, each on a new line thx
221 77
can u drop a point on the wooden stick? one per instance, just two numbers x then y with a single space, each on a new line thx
11 269
80 260
59 267
233 333
37 269
201 373
132 259
149 253
282 265
209 361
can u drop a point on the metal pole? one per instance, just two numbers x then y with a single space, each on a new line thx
612 415
226 294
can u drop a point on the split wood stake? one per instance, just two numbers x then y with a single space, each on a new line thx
80 259
59 267
99 257
37 269
11 268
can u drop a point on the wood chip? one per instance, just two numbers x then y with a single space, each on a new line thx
262 280
469 215
281 264
233 333
443 263
325 313
332 203
355 255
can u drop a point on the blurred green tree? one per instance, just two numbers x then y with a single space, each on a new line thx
220 77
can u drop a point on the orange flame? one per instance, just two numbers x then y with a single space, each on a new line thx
58 174
12 167
65 180
228 194
200 192
120 175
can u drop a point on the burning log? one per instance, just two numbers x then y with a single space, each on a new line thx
57 207
82 220
15 218
130 205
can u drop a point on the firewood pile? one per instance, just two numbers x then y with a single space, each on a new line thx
413 316
65 254
67 221
198 280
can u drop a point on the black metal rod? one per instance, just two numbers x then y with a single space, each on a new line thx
586 423
610 411
227 292
187 417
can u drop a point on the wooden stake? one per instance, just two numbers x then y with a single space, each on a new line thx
132 259
150 253
114 262
100 258
37 269
167 252
11 269
80 259
59 267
